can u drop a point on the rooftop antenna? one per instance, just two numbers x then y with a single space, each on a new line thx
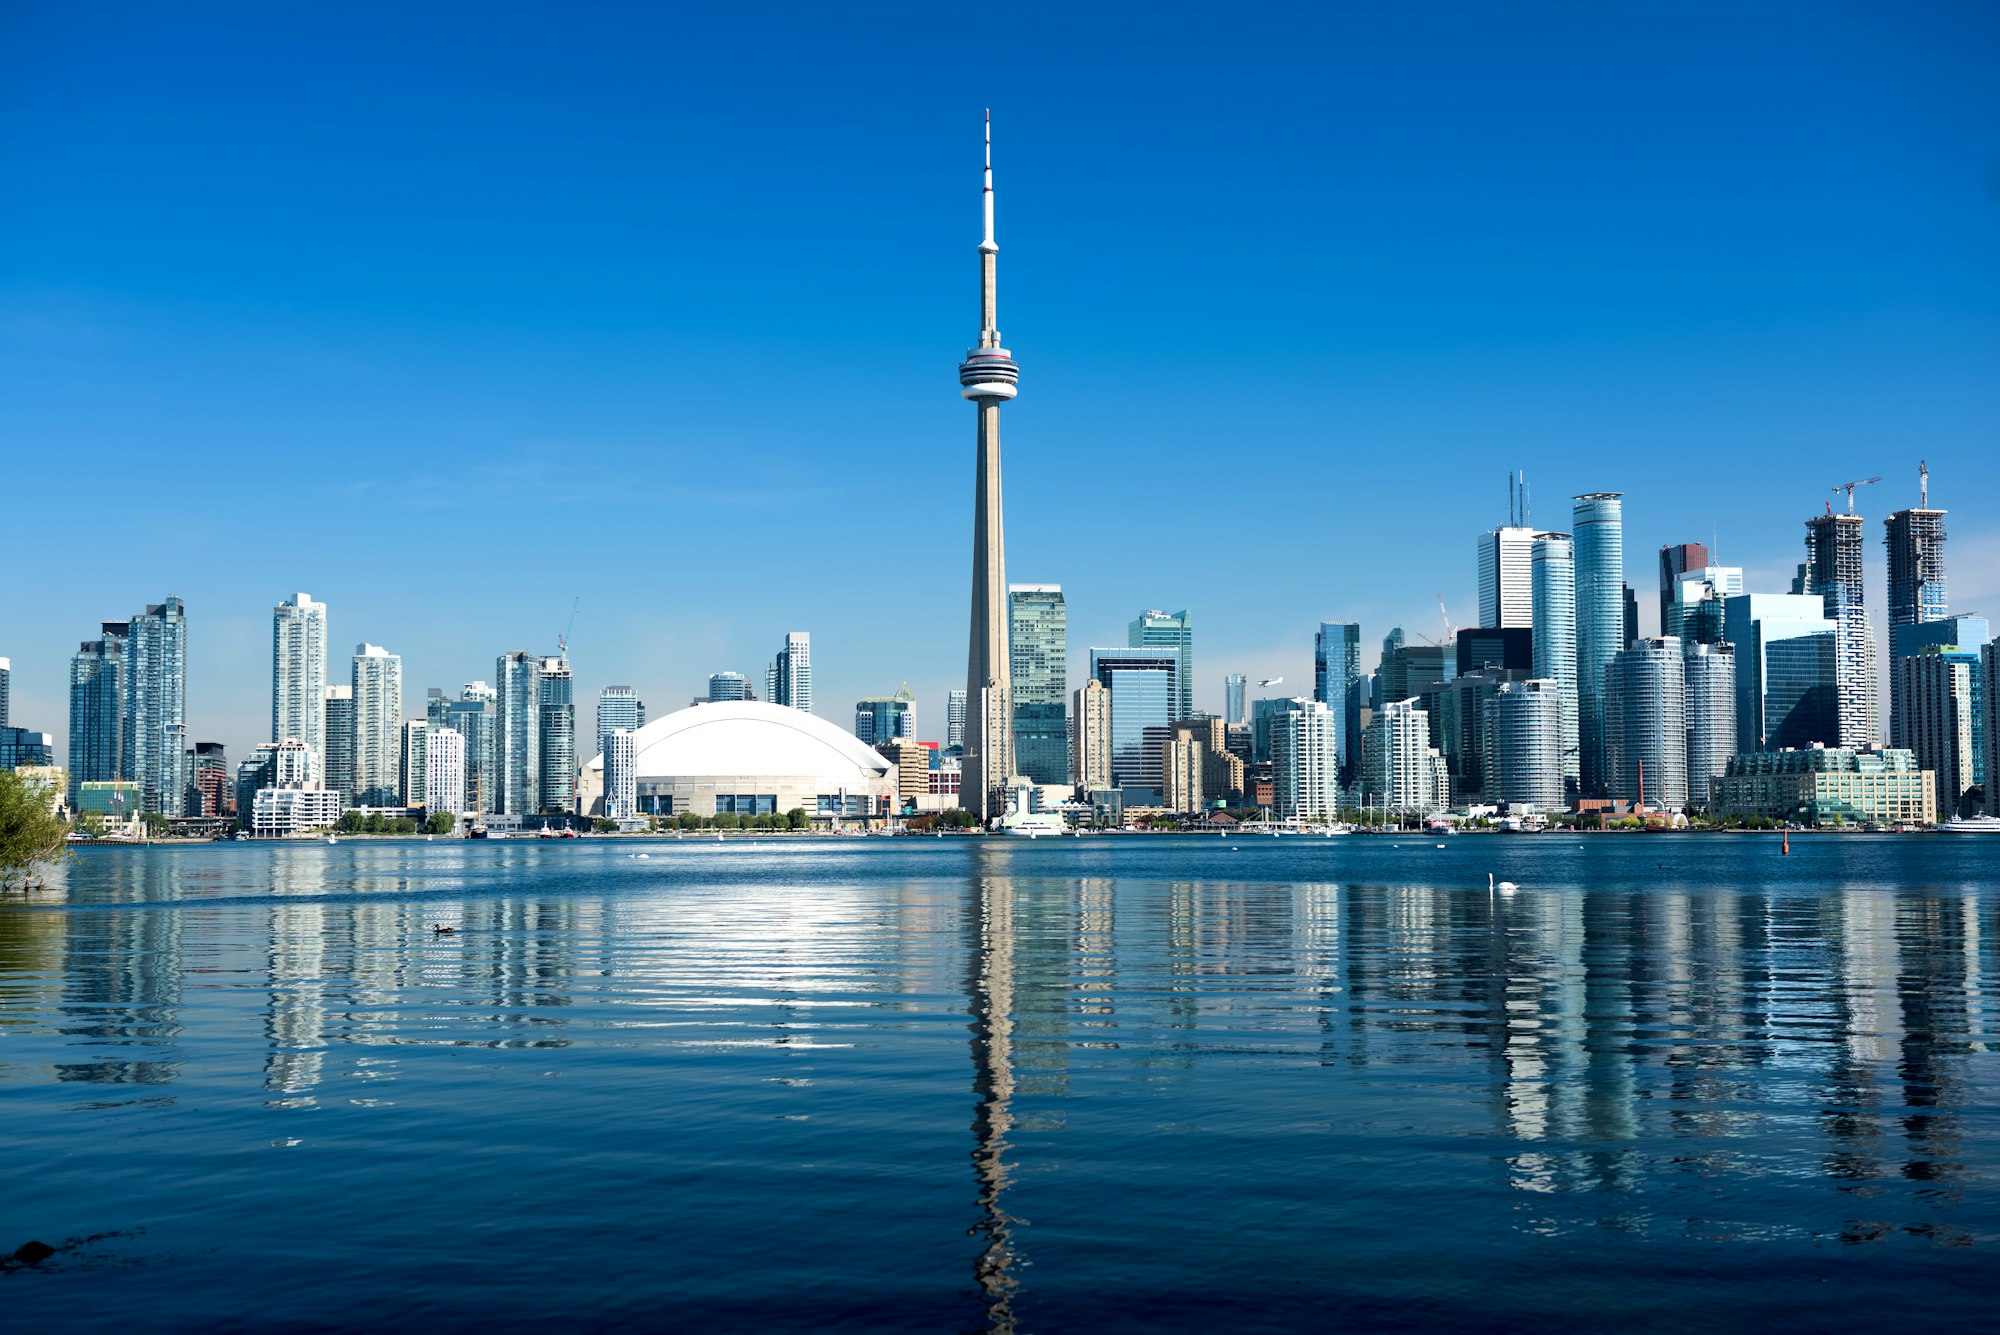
1526 514
1923 485
1511 508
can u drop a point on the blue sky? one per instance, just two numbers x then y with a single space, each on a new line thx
449 315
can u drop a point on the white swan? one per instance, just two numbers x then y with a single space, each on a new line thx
1506 887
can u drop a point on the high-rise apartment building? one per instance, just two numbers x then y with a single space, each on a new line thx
1236 699
1552 577
789 679
1038 658
1404 772
1090 745
413 763
516 781
1598 529
6 690
1968 633
1676 563
1338 684
727 686
298 671
621 707
471 717
556 693
1521 754
1833 570
156 706
1506 588
1915 539
1305 761
621 774
1145 704
1709 694
333 758
97 710
444 773
1645 724
1169 630
1936 688
1989 667
954 721
378 726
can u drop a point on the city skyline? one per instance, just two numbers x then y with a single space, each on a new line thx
148 347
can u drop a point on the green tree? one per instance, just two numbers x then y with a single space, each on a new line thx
602 826
32 831
350 822
796 818
400 825
156 824
440 822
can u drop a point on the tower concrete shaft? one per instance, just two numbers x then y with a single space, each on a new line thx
987 376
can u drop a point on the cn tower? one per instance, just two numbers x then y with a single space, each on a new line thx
987 377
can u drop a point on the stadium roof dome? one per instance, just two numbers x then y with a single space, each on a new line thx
751 739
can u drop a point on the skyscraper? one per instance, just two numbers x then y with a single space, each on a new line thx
1236 699
556 722
1404 773
1337 684
1090 753
156 706
517 751
1552 576
1693 611
1506 593
620 707
1968 634
298 671
6 688
789 679
97 710
726 686
471 717
1676 561
1038 652
1598 523
1709 694
886 718
621 775
413 763
1305 761
378 726
1915 540
954 721
1989 666
1833 570
333 762
1936 688
1645 724
1522 752
1168 630
1785 674
988 377
444 773
1145 703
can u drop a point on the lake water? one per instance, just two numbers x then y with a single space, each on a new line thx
1060 1085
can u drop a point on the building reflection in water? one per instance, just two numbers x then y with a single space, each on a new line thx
122 975
990 988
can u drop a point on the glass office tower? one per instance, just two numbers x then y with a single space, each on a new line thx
1038 660
517 752
1145 704
1337 684
556 722
156 706
1169 630
97 710
1598 526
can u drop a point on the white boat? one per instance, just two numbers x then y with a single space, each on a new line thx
1971 825
1031 824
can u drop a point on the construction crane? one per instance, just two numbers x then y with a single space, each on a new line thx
1449 633
1849 487
562 640
1923 485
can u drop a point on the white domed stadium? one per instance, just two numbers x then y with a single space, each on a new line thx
747 758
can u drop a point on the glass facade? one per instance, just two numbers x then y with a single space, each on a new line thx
336 751
1169 630
727 686
97 710
155 734
1236 699
472 719
1522 754
1038 659
1753 623
1338 684
517 752
1552 576
621 707
1710 675
1598 526
378 726
1645 724
1145 699
556 723
1801 702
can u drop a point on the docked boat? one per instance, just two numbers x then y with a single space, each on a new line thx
1971 825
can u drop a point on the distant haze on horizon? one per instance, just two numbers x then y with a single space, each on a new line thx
451 317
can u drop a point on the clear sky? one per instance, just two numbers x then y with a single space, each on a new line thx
451 314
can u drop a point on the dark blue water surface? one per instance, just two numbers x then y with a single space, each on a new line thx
1671 1083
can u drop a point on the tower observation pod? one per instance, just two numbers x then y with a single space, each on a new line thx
988 377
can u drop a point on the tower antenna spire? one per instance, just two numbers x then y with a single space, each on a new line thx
987 244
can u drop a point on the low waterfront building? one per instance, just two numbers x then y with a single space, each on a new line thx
1826 785
279 812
